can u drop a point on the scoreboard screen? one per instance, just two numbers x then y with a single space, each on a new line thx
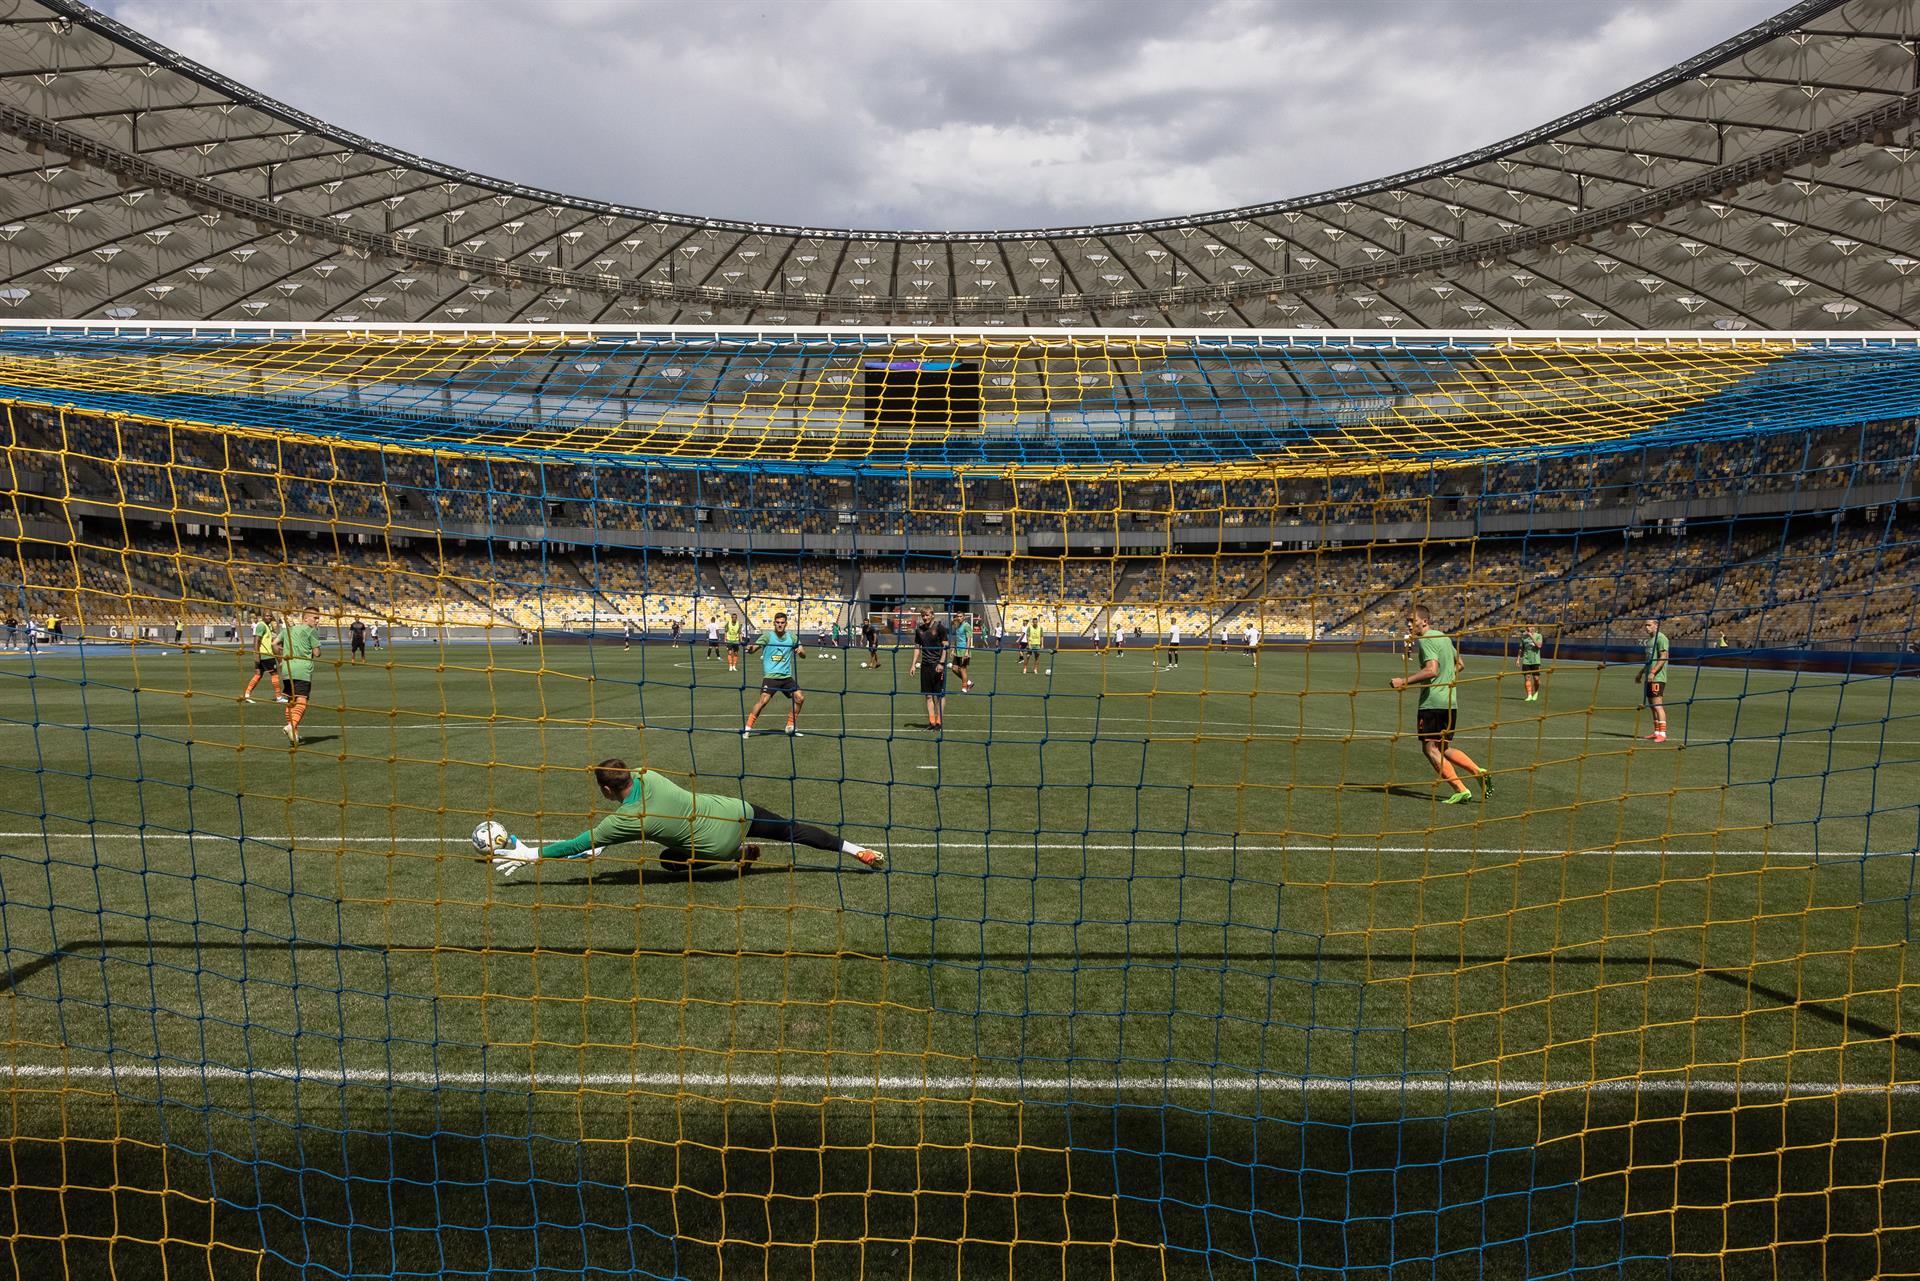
933 396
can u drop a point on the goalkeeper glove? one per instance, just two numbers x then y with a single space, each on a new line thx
515 856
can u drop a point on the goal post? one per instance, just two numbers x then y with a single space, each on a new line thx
1186 958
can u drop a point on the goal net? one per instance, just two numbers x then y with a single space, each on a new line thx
1455 816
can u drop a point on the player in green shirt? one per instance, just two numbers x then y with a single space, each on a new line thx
1035 641
1653 676
299 646
778 649
691 828
1531 643
1440 668
963 652
266 647
734 630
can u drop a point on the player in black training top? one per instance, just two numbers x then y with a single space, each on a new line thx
357 634
930 651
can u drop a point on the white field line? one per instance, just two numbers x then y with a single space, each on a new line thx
315 844
1211 729
993 1086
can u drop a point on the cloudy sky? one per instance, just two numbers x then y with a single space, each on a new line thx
938 113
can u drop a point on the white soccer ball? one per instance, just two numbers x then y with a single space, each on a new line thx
1049 671
490 836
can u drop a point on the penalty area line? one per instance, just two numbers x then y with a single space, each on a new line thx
1223 730
994 1086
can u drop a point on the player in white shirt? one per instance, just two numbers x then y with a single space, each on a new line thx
713 639
1173 647
1253 644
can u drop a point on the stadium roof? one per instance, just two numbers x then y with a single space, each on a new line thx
1768 183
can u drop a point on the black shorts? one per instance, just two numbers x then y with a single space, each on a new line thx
1435 724
359 647
299 689
1655 689
933 678
1529 667
266 664
961 660
780 685
733 647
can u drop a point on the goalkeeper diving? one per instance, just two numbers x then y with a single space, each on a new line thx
693 830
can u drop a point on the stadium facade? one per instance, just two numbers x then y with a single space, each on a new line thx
1768 183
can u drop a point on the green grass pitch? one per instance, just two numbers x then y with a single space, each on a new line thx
1214 891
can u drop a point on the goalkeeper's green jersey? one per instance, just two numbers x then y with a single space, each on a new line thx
688 825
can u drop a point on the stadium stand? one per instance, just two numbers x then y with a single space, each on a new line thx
373 518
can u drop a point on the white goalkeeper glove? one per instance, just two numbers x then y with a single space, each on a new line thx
514 857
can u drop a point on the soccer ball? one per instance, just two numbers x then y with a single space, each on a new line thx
1049 671
490 836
